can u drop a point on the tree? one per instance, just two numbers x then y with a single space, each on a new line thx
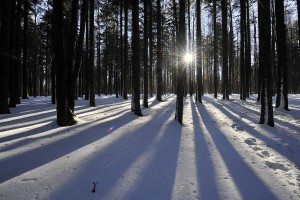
125 89
199 59
146 31
136 59
181 67
5 57
215 49
265 64
25 52
159 54
225 50
92 55
282 85
242 50
64 115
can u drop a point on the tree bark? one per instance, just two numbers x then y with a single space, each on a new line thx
146 30
159 82
5 57
282 85
64 116
181 68
125 78
225 49
215 49
92 54
136 59
199 53
25 52
265 62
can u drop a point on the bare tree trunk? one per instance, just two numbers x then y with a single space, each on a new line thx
136 59
5 57
92 55
215 49
181 68
159 83
265 62
145 102
199 53
282 93
225 49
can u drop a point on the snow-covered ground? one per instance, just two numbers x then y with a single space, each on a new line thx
221 152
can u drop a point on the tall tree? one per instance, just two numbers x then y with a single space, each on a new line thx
125 89
181 67
70 53
64 116
159 82
225 50
25 52
5 57
242 50
298 8
136 59
282 85
199 54
215 49
151 48
92 54
146 31
265 64
13 61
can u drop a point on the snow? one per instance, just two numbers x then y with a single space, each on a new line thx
221 152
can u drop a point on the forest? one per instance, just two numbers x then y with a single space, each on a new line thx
75 48
141 99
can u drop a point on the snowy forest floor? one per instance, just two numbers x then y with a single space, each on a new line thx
221 152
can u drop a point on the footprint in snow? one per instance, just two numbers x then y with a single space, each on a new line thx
277 166
250 141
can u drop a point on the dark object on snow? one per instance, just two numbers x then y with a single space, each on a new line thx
94 188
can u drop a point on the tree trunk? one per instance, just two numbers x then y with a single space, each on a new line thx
151 48
199 53
136 59
92 55
265 62
282 93
215 49
64 116
181 68
242 51
145 102
225 49
125 78
13 61
25 52
5 57
159 83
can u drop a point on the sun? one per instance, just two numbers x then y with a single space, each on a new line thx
188 57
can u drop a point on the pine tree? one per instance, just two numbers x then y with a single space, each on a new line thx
265 64
181 67
5 56
136 59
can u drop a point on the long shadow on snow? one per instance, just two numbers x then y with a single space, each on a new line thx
249 185
267 140
111 164
205 169
30 160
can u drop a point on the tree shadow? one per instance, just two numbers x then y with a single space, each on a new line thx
243 176
294 148
44 153
133 159
205 170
